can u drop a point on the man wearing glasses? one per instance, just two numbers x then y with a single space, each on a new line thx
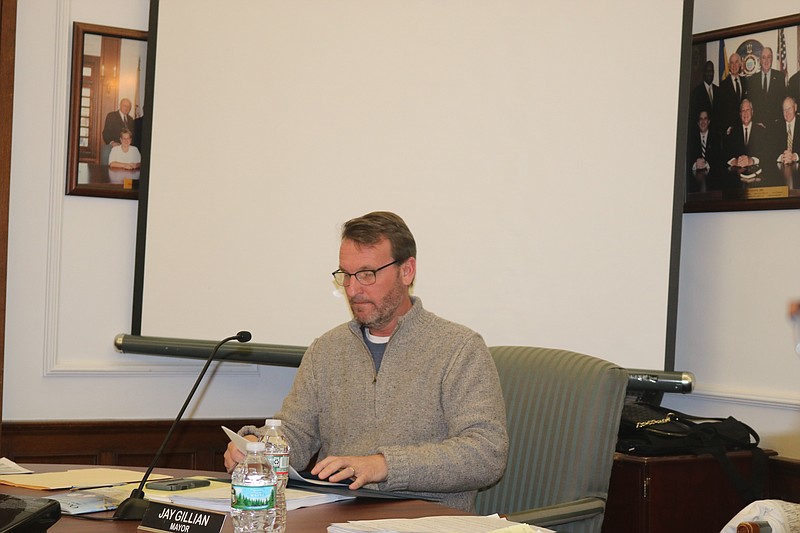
398 399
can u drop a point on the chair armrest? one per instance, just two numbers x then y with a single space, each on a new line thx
560 513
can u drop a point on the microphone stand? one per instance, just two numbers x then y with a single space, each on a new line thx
134 506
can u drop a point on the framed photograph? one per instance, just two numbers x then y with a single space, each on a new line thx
106 110
743 135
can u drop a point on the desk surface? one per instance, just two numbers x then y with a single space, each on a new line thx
306 520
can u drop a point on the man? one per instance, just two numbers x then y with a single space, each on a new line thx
767 90
731 92
793 86
116 121
397 399
788 144
746 140
706 95
704 149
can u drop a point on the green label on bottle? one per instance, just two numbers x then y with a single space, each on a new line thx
248 498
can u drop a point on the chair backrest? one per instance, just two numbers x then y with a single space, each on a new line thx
563 411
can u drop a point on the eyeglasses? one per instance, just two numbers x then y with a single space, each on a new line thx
364 277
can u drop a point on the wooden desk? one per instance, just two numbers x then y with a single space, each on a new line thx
306 520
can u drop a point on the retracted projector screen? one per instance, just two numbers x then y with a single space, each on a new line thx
529 145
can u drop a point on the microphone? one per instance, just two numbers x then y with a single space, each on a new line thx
134 506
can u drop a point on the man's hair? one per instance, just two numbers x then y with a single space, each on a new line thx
370 229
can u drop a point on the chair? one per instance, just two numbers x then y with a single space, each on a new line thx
563 411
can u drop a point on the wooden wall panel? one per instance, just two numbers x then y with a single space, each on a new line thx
196 444
784 479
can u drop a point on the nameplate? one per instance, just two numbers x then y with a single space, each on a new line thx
756 193
164 517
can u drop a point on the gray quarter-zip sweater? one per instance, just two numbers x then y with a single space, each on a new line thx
434 409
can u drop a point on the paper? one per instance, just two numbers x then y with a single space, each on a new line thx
81 502
238 440
7 466
241 445
436 524
784 517
75 479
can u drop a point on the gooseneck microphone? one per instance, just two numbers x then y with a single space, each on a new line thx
134 506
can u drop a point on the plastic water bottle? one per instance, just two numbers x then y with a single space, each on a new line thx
278 452
253 492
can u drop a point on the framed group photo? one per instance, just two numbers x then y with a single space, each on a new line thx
743 139
107 107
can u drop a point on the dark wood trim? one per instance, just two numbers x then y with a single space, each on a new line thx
8 32
196 444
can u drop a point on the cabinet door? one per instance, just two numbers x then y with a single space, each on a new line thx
625 508
667 494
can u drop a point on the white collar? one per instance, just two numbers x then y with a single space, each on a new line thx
374 339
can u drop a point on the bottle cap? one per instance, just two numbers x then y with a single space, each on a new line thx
272 422
257 446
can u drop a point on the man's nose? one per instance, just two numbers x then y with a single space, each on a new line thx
354 287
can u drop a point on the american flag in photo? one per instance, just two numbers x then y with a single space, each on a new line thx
782 54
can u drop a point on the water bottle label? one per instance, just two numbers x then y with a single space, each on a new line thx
252 498
280 463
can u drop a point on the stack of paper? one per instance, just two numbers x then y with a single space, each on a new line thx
78 478
436 524
83 501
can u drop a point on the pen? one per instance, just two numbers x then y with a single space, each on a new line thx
104 485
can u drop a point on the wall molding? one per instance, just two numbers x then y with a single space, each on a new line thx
54 364
57 169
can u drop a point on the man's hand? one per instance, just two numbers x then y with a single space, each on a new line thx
233 456
362 469
787 157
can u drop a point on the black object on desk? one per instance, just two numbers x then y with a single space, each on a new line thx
26 514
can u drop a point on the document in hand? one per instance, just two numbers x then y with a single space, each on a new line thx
436 524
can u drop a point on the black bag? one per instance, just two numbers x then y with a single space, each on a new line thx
650 430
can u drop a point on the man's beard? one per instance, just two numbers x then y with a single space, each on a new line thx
383 312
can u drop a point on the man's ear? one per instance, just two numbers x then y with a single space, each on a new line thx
409 270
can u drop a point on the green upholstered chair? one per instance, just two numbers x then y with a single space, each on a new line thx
563 412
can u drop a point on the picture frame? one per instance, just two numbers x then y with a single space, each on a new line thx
104 150
763 173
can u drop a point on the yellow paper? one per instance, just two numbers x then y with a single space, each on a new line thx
76 479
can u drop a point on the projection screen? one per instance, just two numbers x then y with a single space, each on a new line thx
529 145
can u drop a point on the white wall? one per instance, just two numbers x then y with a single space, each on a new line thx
738 272
70 271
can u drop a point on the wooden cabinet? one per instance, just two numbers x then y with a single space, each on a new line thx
677 493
